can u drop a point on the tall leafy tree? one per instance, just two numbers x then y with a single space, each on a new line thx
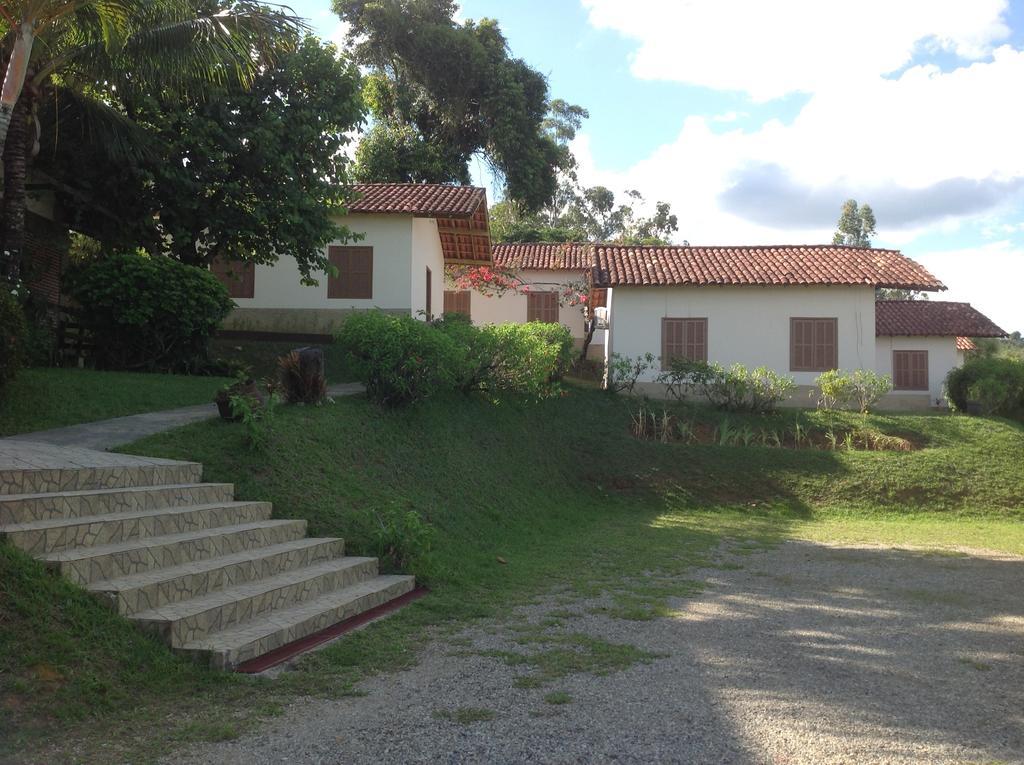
242 173
856 225
441 92
76 50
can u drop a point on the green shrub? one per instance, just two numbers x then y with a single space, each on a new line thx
861 388
398 358
402 360
996 383
529 358
13 332
145 312
735 389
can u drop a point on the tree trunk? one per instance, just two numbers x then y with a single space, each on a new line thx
14 77
590 325
15 159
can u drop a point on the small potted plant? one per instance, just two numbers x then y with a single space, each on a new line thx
243 385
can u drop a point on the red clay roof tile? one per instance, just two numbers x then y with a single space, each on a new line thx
965 344
932 317
624 265
546 256
425 200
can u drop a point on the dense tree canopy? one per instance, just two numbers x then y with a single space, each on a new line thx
244 173
441 92
76 52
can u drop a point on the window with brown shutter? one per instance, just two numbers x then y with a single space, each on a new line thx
599 297
910 370
237 275
542 306
813 345
683 339
456 301
355 273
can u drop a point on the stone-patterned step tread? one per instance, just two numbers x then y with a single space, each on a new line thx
56 534
247 640
165 574
55 523
146 590
81 503
176 611
100 492
82 553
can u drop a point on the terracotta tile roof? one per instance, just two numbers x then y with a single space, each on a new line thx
965 344
460 211
621 265
425 200
546 256
932 317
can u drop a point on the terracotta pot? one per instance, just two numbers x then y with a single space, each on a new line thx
247 389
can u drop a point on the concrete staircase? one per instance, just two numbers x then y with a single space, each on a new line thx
214 578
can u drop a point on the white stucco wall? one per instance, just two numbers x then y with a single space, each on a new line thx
746 325
426 253
391 236
942 357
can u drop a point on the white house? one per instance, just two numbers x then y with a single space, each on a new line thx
544 270
799 310
410 232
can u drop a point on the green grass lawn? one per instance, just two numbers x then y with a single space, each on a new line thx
39 399
522 496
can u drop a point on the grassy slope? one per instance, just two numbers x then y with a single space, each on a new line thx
559 491
38 399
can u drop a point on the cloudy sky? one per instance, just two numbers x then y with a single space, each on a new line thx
756 120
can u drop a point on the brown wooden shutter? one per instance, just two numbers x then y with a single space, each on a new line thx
813 345
355 273
542 306
683 338
910 370
456 301
598 297
237 275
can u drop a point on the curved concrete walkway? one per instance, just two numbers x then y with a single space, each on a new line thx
108 434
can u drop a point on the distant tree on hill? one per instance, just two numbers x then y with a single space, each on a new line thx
587 214
856 225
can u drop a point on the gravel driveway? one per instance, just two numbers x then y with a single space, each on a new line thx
804 653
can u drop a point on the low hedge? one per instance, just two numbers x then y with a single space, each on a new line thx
401 359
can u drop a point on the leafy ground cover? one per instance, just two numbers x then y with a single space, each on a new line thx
43 398
523 498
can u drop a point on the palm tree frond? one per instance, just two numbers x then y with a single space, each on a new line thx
70 117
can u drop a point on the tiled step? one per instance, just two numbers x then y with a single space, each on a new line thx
90 564
34 481
232 646
55 535
179 623
25 508
152 589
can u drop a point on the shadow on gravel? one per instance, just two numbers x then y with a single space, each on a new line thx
889 653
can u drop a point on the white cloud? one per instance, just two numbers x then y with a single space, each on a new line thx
938 149
769 49
339 34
